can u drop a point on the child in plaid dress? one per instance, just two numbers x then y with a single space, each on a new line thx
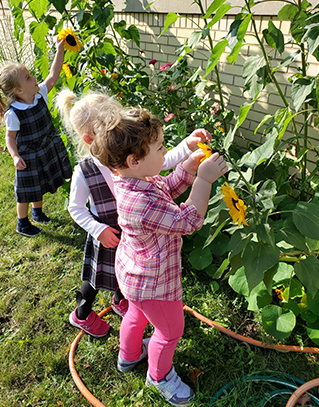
89 117
39 155
148 257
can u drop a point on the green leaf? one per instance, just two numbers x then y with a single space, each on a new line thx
260 154
307 271
306 219
313 303
243 112
134 34
103 16
59 5
292 236
298 25
258 298
214 6
200 258
255 75
42 64
39 32
236 42
312 38
287 12
300 89
228 140
238 282
274 37
313 331
215 55
39 7
220 245
284 273
194 39
170 19
258 258
278 322
238 242
219 14
287 61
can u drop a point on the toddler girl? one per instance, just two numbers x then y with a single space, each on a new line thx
148 258
90 117
39 155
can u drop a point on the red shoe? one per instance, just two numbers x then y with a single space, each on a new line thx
92 325
121 308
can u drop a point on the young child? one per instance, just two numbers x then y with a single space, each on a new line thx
148 257
90 117
39 155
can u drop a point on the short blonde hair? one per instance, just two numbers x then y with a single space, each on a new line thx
9 73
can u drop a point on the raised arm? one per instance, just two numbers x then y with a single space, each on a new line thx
56 67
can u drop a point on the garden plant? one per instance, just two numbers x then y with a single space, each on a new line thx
261 234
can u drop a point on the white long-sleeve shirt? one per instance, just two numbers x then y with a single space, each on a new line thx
80 193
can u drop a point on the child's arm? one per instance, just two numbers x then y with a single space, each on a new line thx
185 148
56 67
13 150
208 172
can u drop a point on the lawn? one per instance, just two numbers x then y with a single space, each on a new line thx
39 278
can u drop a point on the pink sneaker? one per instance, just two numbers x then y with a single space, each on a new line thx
92 325
121 308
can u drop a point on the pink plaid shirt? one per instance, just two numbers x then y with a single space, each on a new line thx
148 258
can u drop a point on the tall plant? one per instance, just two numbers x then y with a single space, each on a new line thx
269 246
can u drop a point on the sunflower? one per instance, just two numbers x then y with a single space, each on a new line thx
237 207
72 42
206 150
67 71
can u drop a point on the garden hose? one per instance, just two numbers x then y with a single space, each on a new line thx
299 391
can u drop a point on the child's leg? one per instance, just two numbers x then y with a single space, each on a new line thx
131 333
167 317
84 299
119 303
37 213
24 226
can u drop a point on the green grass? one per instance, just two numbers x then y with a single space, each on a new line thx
38 281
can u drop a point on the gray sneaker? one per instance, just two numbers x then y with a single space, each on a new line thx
172 389
124 365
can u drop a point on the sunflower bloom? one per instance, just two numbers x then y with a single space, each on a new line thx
206 150
67 71
237 207
72 42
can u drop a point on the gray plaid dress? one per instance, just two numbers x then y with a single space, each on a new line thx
98 263
44 153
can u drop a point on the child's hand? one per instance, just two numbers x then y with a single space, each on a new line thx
108 238
59 44
19 163
191 164
212 168
197 136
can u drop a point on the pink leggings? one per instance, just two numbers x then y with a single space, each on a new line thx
167 317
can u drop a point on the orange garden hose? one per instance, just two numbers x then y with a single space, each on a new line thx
291 402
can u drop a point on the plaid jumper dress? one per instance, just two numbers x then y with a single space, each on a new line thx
98 263
44 153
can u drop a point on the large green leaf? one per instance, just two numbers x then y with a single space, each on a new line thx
307 270
292 236
213 7
274 37
238 282
306 219
258 298
288 12
59 5
200 258
39 31
288 60
222 10
39 7
313 303
278 322
215 55
298 25
312 37
103 16
170 19
257 258
284 272
300 89
259 154
220 245
313 331
255 75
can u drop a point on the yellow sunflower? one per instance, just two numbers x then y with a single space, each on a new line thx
114 76
67 71
206 150
237 207
72 42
